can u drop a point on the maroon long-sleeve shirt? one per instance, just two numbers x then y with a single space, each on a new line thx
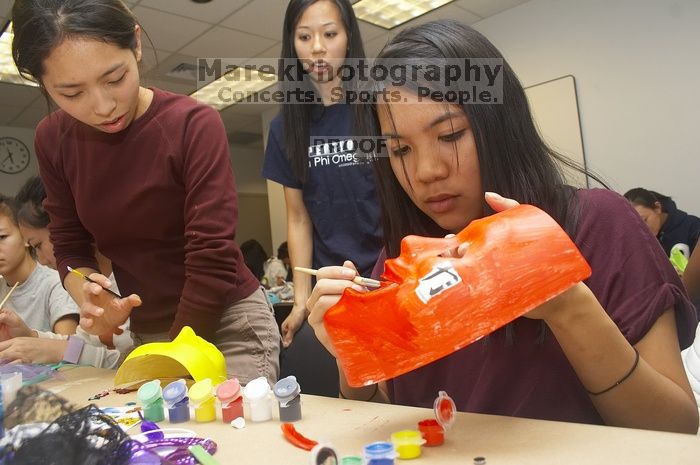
159 200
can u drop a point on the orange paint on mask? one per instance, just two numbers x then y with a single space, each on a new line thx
433 305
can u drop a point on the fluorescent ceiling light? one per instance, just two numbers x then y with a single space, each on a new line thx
8 70
234 87
391 13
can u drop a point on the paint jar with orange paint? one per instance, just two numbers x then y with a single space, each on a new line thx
433 430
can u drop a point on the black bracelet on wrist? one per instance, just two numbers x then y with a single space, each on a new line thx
374 393
621 380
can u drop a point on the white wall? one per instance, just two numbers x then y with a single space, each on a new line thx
11 183
247 166
636 67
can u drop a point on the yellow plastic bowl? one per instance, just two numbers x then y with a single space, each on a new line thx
187 355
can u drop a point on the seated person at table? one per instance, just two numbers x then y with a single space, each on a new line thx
691 278
691 356
19 343
278 277
277 269
285 261
671 226
254 256
17 340
39 297
604 352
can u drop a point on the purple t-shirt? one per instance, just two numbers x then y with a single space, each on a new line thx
527 375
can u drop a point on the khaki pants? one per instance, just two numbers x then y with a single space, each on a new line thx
247 336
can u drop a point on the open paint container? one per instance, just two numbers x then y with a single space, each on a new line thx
433 430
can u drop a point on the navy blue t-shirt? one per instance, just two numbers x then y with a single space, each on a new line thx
339 192
680 228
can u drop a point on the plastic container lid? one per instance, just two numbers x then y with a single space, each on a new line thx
351 460
228 391
257 389
149 392
201 391
380 450
286 389
321 453
445 409
407 436
175 392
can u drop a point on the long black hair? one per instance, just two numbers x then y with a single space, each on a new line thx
41 25
296 117
514 161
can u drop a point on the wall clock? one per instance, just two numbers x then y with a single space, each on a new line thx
14 155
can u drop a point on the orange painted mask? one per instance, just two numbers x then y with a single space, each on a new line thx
431 306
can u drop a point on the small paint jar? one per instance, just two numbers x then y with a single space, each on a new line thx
379 453
201 395
288 394
177 402
433 430
351 460
407 443
229 395
322 454
150 396
257 395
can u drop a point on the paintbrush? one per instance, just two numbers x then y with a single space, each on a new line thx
74 271
9 293
362 281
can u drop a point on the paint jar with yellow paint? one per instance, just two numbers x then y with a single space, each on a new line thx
407 443
201 395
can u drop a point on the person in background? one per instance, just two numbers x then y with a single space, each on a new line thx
283 254
33 222
691 278
691 356
254 256
277 269
671 226
21 344
606 351
163 209
39 297
332 207
18 341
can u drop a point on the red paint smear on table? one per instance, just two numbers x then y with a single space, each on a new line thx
516 260
296 438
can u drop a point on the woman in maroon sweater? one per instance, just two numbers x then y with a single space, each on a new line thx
607 350
145 175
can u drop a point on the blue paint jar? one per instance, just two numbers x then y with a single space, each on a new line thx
177 402
379 453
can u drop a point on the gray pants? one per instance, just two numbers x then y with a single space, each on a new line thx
247 336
